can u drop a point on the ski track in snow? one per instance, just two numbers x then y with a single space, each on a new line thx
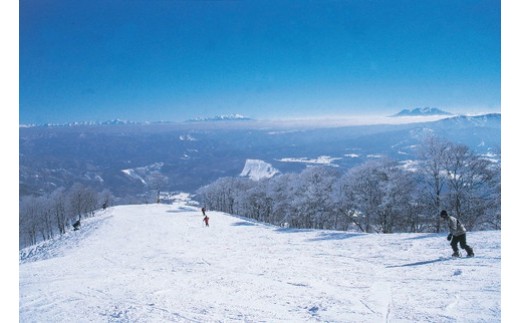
158 263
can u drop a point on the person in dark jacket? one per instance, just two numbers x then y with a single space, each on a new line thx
457 235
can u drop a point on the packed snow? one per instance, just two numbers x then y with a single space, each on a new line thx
160 263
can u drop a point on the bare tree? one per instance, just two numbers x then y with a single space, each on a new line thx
106 198
82 200
469 178
28 220
433 154
58 200
42 217
46 219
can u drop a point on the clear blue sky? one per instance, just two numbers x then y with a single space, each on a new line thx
174 60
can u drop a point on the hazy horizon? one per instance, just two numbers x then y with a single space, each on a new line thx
314 121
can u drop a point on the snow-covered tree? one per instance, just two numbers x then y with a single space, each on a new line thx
364 184
255 202
377 196
280 190
493 213
222 194
344 205
312 201
397 207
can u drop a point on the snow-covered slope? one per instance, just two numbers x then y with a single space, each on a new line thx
257 169
144 174
158 263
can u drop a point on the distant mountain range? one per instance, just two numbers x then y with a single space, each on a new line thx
417 112
131 159
229 117
83 123
427 111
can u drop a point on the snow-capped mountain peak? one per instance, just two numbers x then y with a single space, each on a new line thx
426 111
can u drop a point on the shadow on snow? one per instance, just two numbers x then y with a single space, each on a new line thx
420 263
322 236
183 209
293 230
335 236
426 236
243 224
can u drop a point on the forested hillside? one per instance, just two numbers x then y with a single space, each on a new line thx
377 196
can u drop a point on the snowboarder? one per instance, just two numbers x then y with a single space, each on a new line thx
76 225
203 211
206 220
457 235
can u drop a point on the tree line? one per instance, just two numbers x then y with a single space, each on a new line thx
376 196
44 217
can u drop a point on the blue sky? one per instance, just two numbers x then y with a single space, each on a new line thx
175 60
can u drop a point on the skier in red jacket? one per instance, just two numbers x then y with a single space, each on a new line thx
206 220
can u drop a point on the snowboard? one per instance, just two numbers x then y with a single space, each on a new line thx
462 257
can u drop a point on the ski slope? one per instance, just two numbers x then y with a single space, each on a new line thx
158 263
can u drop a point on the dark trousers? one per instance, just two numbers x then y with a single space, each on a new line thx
462 240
